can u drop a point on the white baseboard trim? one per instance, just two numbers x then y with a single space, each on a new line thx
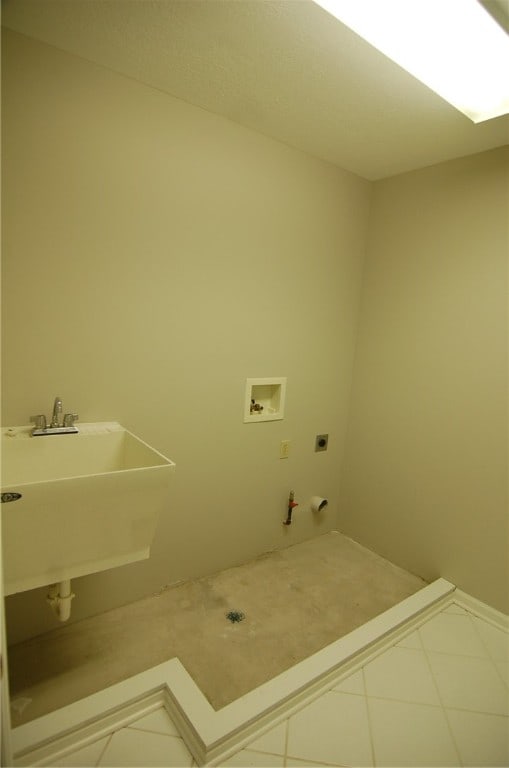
486 612
210 735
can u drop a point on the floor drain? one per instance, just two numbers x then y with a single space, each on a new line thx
235 616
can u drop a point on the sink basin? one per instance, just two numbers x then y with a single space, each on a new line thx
89 501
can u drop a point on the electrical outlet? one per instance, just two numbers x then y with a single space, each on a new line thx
284 449
321 442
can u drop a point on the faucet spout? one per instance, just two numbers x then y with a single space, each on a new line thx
57 410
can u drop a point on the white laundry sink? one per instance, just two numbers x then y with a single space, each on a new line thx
87 502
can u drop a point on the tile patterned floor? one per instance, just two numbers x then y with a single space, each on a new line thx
439 697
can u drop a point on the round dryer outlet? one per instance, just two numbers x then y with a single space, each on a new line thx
321 442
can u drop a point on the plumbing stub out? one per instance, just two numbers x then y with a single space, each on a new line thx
59 597
291 505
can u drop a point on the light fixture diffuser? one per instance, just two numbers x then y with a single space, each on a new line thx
453 46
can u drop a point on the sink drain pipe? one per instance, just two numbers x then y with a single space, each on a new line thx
59 597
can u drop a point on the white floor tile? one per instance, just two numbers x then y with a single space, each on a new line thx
273 741
406 734
454 608
403 674
256 759
294 762
469 683
503 671
156 722
85 757
482 740
136 748
352 684
411 641
495 640
333 729
450 633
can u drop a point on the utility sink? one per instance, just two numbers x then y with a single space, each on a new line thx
87 502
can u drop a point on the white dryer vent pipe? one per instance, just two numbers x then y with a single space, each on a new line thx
318 503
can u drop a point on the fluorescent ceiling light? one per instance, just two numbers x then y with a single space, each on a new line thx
453 46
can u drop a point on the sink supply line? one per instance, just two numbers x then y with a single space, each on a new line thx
59 598
291 505
56 427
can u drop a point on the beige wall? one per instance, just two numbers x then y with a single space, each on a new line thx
425 476
154 257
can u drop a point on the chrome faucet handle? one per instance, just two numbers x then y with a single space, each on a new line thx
39 421
69 419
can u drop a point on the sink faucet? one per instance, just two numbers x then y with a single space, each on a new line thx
57 426
57 410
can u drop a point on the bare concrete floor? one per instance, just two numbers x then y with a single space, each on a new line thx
295 601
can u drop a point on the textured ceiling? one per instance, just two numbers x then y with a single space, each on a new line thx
286 69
